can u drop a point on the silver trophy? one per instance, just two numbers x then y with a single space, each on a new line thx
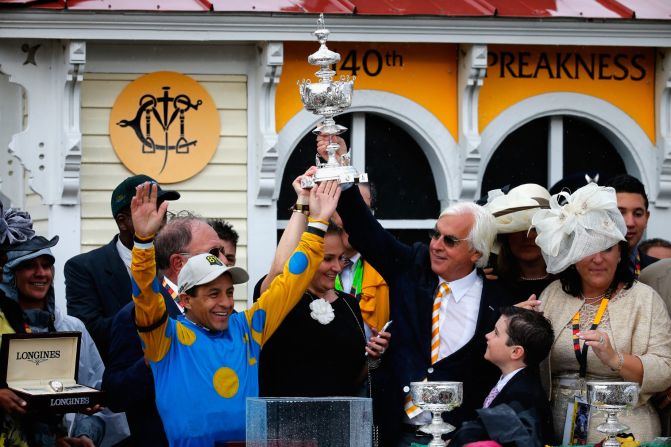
612 398
328 98
437 397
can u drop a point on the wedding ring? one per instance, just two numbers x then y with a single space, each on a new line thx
601 340
381 351
56 385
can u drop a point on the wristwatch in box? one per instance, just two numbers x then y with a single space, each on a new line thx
42 369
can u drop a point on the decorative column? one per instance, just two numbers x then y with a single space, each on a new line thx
663 125
11 171
271 60
50 146
261 208
472 70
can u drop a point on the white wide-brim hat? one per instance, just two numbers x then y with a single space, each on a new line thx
589 222
513 211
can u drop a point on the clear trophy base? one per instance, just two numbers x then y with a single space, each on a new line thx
309 422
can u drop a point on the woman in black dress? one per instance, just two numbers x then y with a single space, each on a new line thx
321 348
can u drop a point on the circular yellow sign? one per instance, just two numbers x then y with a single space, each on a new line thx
165 125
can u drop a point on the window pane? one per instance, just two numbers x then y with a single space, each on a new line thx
521 158
587 149
399 171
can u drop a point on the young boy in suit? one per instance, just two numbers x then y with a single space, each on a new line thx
520 341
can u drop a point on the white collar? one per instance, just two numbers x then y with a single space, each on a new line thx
459 287
125 253
355 258
172 285
503 381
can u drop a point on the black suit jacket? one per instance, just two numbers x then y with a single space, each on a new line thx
128 381
97 285
526 389
412 284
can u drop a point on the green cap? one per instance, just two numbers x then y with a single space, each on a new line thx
122 194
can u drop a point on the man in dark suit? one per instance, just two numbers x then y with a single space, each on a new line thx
434 337
632 201
97 283
127 379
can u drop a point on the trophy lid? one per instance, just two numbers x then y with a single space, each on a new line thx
323 56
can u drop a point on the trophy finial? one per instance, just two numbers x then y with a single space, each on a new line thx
328 98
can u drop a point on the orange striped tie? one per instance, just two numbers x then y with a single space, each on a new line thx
410 408
435 321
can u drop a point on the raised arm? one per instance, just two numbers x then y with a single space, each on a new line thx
151 316
288 288
377 246
292 233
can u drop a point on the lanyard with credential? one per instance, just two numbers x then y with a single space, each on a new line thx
581 355
356 280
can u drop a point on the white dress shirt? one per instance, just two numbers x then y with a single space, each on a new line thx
458 317
503 381
459 311
347 274
125 254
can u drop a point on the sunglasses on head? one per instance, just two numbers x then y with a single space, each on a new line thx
213 251
448 239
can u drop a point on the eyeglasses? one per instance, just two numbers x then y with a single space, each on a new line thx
215 251
448 239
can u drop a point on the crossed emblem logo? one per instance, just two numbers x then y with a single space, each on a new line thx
162 110
169 132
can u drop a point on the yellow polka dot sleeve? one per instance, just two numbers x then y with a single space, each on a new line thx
150 311
265 316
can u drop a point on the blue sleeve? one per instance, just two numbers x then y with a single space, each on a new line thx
377 246
127 379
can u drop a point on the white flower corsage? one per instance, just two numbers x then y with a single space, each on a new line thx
322 311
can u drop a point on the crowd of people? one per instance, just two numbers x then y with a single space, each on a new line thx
522 299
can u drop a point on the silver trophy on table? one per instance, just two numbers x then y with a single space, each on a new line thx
328 98
437 397
612 398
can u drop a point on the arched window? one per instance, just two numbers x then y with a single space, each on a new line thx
548 149
406 202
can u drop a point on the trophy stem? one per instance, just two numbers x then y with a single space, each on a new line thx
611 427
436 428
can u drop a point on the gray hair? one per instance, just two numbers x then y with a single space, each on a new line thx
483 232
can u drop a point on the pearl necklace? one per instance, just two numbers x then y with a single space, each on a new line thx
592 299
536 278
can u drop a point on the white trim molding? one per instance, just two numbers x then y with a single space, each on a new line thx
628 138
270 70
244 27
663 113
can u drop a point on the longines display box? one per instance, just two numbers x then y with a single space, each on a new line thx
42 370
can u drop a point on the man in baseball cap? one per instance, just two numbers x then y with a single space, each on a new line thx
97 283
203 277
205 362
